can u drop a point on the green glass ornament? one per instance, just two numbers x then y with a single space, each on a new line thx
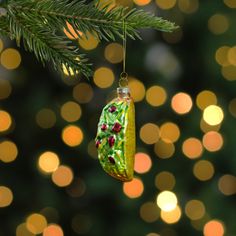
115 138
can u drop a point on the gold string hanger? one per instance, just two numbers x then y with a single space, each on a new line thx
123 82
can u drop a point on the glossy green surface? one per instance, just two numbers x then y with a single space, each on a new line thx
117 160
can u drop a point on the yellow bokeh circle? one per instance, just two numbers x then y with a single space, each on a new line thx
8 151
137 89
5 121
103 77
72 135
171 217
6 196
36 223
213 115
149 133
167 201
71 111
48 162
63 176
10 58
156 96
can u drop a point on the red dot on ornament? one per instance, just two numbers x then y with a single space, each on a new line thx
98 142
116 127
112 109
111 141
103 127
112 160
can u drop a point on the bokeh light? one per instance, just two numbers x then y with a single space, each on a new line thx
203 170
53 230
166 4
232 107
165 181
221 56
149 212
156 96
71 111
5 88
77 188
10 58
230 3
48 162
5 121
192 148
142 163
152 234
141 2
181 103
171 217
218 24
213 228
72 135
137 89
227 184
169 131
103 77
114 53
46 118
206 98
160 59
188 6
71 33
232 56
134 188
199 224
207 128
164 149
83 93
167 201
22 230
149 133
195 209
36 223
63 176
8 151
229 72
212 141
89 41
6 196
213 115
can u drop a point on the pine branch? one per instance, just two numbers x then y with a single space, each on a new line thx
39 24
90 17
47 46
4 29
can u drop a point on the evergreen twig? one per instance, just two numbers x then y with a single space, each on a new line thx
39 24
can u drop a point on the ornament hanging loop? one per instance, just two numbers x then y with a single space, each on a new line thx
123 82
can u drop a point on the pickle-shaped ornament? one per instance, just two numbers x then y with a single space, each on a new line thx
115 140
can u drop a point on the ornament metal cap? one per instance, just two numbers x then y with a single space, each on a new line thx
123 91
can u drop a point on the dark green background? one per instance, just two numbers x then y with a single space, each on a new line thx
104 207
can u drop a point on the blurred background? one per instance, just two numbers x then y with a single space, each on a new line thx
183 85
